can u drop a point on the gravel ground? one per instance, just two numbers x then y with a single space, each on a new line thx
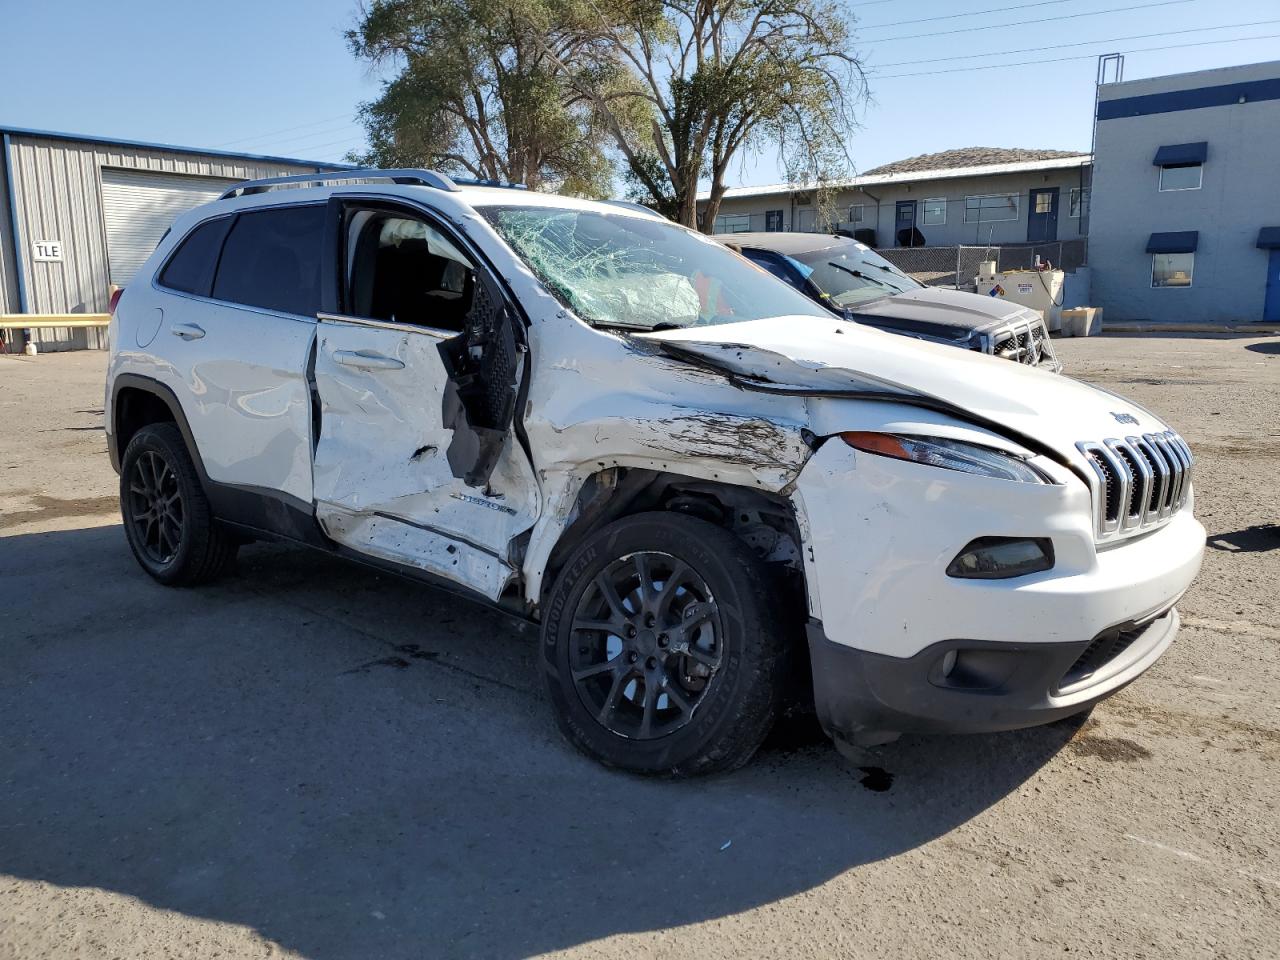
313 760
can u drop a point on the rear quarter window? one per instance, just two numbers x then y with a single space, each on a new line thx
271 259
190 269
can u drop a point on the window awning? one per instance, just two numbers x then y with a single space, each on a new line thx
1175 153
1180 241
1269 238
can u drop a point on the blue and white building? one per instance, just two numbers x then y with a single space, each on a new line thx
1185 208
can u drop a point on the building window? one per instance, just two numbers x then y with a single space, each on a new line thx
990 209
1181 176
733 223
773 221
857 213
935 211
1172 269
1079 202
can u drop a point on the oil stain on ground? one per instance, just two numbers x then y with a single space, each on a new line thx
410 650
51 508
876 778
1110 749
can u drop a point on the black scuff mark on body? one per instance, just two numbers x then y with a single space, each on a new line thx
751 441
417 454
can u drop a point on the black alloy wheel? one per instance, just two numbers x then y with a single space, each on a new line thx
645 646
665 646
167 517
156 508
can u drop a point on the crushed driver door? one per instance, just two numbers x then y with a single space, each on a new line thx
416 458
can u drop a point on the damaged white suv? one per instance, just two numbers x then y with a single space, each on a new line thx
714 497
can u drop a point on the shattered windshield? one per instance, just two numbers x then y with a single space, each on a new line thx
640 274
852 274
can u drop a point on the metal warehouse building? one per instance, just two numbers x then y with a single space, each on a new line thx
79 214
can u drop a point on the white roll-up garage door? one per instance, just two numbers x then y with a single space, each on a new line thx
138 206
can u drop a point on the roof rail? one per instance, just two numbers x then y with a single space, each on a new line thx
473 182
424 178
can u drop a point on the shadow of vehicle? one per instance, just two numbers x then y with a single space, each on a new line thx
356 767
1266 346
1256 539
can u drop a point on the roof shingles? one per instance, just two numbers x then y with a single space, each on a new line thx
968 157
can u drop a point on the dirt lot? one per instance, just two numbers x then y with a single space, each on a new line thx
313 760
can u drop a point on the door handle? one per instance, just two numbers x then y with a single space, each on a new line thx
367 361
187 331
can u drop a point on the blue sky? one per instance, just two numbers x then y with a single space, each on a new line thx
276 77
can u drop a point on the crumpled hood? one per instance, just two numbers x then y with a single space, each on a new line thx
955 310
811 353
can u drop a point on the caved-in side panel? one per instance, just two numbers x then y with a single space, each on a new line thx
597 401
382 456
390 539
379 427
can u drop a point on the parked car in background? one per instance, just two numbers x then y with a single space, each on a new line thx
713 496
854 281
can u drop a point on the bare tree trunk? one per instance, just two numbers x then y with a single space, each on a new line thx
712 209
689 206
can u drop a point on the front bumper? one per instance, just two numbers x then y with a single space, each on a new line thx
865 698
879 534
878 537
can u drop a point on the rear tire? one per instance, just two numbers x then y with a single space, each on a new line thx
663 647
167 518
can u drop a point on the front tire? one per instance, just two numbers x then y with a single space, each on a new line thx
166 514
663 648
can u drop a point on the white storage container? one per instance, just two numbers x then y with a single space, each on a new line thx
1041 290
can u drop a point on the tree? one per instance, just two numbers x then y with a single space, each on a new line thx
708 81
479 89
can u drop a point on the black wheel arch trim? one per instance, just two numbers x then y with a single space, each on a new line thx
250 508
163 393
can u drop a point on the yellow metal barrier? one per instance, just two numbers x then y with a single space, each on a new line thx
46 321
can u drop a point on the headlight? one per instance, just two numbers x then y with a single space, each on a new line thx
948 454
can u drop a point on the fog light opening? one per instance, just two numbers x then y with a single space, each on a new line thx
999 558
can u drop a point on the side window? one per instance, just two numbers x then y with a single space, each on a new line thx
401 269
271 259
190 269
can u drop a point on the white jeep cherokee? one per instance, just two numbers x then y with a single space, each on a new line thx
674 462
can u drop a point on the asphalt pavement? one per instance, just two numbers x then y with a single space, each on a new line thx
312 759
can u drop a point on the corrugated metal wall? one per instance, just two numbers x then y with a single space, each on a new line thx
139 206
58 193
8 268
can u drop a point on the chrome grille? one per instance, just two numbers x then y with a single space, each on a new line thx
1138 483
1026 342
